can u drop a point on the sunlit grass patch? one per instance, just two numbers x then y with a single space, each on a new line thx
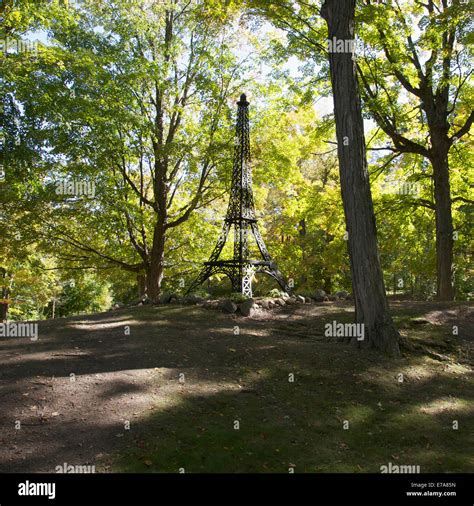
343 410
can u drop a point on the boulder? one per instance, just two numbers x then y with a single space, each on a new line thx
139 301
319 295
342 294
165 298
143 299
332 297
212 304
419 321
193 299
228 306
265 303
247 308
301 299
308 300
291 301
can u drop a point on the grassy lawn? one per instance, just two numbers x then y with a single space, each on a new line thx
346 410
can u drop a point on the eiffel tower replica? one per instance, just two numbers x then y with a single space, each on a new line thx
241 217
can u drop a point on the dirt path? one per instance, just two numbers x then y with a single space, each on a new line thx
76 395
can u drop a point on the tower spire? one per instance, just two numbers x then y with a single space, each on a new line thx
241 217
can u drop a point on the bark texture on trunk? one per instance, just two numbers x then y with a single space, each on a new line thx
157 262
367 278
444 221
3 312
141 284
5 294
436 109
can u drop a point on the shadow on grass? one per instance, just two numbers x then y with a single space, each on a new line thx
239 411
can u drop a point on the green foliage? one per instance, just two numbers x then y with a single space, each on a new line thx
201 292
83 109
82 294
238 297
32 286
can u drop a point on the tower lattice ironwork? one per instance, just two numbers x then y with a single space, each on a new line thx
242 219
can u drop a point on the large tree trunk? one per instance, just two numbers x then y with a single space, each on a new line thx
367 278
141 284
157 261
5 294
444 219
3 312
436 109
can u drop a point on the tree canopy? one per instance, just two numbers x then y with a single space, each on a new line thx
118 128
